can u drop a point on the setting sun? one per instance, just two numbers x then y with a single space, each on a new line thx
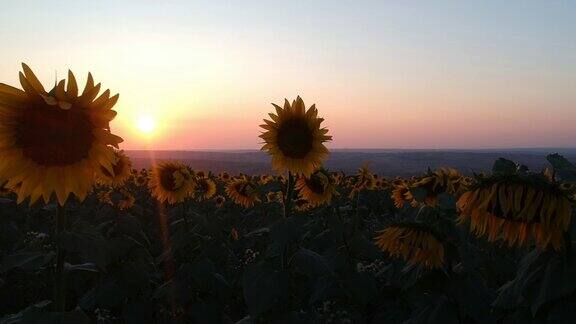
146 124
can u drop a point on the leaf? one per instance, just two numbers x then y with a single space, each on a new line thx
27 261
90 244
361 287
38 314
106 294
504 167
264 288
88 267
309 262
473 297
563 168
284 232
442 311
558 280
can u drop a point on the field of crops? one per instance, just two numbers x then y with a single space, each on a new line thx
209 259
85 238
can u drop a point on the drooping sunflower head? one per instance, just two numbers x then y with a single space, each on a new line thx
224 176
401 194
416 243
516 209
171 182
365 179
242 192
442 180
53 142
317 189
294 138
265 179
120 172
205 188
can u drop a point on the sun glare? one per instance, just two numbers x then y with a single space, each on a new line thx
146 124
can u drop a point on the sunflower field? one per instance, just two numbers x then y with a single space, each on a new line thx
85 238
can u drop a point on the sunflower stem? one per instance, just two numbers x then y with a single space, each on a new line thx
288 196
287 205
185 215
60 279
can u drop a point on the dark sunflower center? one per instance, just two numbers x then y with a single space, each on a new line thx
315 184
295 138
51 136
244 189
167 180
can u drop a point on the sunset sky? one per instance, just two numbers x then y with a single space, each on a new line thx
427 74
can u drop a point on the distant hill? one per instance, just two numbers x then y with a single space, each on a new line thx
383 162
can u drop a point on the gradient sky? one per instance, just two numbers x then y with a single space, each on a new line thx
384 74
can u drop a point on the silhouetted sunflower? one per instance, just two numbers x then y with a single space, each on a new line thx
442 180
365 179
414 242
317 189
242 192
205 188
224 176
54 142
104 197
302 205
121 171
219 201
274 196
294 138
265 179
171 182
141 180
127 200
516 209
401 194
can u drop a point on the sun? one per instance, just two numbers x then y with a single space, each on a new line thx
146 124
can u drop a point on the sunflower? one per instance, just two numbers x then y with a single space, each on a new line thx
517 208
443 180
242 192
171 182
224 176
219 201
205 188
302 205
127 202
317 189
104 197
294 138
121 171
141 180
365 179
414 242
53 142
274 196
265 179
200 174
401 194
